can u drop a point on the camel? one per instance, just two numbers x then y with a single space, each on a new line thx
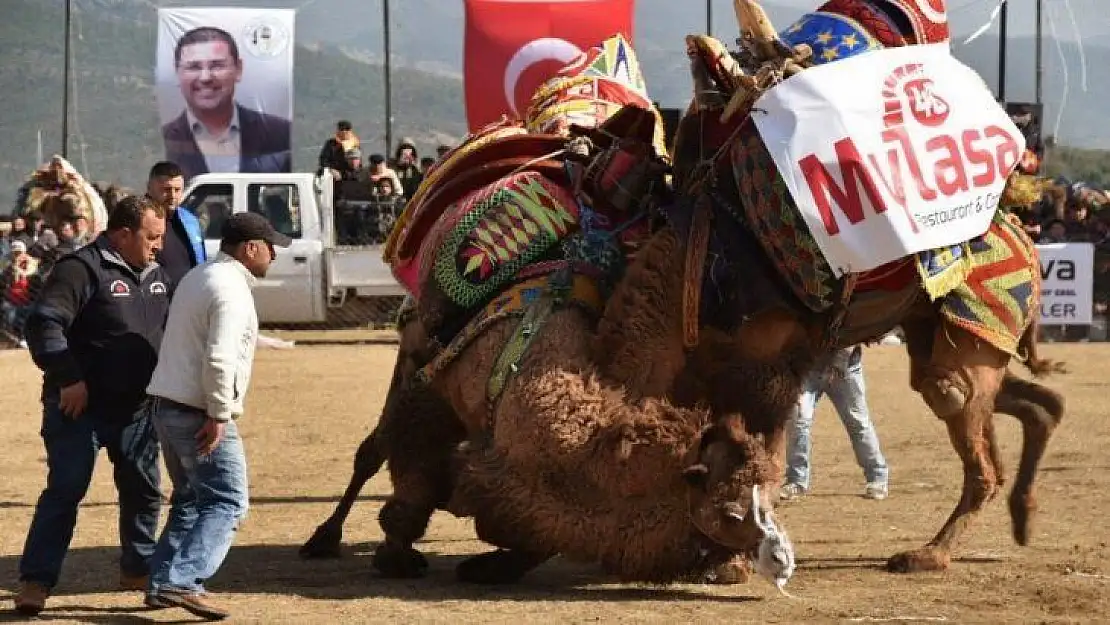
514 426
759 335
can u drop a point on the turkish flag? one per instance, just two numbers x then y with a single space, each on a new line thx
512 46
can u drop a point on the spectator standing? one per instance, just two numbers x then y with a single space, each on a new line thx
196 396
379 171
95 332
342 152
183 248
405 164
16 283
21 232
841 378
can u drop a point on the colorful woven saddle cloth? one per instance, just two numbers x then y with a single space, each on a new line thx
587 93
996 301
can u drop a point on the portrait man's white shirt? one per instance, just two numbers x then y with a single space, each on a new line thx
221 151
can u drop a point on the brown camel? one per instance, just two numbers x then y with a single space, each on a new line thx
763 339
548 456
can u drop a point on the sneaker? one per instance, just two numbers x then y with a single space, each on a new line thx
31 598
875 490
790 492
194 603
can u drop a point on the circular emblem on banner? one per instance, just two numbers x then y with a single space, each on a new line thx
265 37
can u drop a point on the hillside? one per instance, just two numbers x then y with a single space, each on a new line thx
338 74
112 105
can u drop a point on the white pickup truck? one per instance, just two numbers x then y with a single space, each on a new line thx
322 271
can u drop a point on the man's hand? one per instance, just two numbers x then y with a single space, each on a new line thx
209 435
74 399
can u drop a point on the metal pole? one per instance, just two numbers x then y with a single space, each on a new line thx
1040 59
709 18
1002 55
65 86
388 85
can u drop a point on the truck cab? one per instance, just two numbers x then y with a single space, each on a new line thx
316 274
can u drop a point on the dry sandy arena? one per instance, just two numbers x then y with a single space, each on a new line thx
309 408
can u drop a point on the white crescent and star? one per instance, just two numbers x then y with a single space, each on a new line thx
535 51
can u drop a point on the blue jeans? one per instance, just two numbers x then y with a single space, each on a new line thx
71 449
209 499
845 387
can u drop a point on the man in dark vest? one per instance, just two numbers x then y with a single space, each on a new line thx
95 332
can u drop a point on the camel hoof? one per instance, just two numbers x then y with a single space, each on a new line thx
399 562
919 560
502 566
324 543
736 571
1021 515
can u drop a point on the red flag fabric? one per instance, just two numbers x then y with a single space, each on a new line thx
512 46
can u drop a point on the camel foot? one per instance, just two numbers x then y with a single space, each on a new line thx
919 560
736 571
502 566
1021 515
399 561
324 543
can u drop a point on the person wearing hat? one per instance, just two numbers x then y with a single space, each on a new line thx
405 163
342 152
195 398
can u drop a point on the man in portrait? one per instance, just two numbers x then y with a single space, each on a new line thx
215 132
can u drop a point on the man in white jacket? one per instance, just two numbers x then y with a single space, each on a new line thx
195 396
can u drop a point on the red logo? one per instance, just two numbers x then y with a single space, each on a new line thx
512 46
119 288
954 160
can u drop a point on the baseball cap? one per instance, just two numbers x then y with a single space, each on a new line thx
242 227
19 246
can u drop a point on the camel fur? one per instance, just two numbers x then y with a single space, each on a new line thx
563 461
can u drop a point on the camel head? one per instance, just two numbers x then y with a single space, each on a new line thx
730 499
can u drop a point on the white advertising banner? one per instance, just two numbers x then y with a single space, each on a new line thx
224 80
890 152
1067 283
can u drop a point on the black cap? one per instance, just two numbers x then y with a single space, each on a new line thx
343 125
242 227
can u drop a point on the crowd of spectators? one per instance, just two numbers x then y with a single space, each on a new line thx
27 252
1074 212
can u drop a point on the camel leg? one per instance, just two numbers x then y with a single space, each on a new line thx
1039 410
424 438
505 565
959 384
326 539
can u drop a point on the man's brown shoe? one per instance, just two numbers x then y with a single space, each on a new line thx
194 603
133 582
31 598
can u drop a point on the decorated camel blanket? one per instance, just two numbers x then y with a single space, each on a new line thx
997 300
505 202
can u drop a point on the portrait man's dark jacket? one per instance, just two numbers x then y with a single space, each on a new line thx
265 144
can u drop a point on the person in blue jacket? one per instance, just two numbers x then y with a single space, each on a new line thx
183 247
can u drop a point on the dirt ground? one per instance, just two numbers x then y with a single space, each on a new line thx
310 406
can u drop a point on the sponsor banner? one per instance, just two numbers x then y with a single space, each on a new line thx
224 80
890 152
1067 283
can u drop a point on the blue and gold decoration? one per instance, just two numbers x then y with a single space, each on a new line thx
832 37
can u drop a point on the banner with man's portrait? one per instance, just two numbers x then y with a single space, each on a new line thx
224 80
